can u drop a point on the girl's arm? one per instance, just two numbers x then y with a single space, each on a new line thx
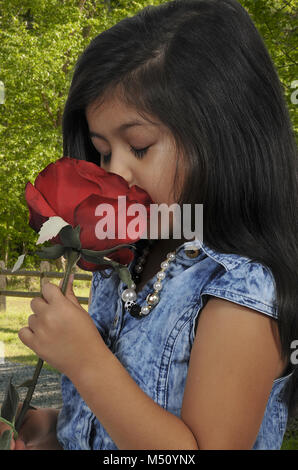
131 418
234 360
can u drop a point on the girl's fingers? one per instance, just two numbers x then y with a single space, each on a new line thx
70 292
19 445
12 444
3 428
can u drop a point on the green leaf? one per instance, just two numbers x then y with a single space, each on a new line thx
97 257
5 439
106 252
10 403
70 237
93 259
51 252
125 276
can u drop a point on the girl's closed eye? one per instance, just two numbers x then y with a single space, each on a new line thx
139 153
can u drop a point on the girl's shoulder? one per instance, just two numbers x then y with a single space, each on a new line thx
241 280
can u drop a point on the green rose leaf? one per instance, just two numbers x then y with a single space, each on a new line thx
51 252
106 252
125 275
5 439
93 259
10 403
70 237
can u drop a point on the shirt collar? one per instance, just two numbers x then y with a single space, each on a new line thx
227 260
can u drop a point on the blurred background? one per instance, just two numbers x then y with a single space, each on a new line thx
40 42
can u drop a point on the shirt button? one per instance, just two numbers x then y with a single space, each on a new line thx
192 253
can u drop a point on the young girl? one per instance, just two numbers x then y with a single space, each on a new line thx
182 100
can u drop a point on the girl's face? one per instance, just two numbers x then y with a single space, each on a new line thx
140 151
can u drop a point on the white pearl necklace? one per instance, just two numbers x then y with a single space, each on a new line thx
129 295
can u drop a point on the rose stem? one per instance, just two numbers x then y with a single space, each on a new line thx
72 257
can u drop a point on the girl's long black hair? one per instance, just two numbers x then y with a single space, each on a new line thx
202 68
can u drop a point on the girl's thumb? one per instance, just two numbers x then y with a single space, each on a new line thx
69 290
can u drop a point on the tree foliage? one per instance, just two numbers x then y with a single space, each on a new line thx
41 41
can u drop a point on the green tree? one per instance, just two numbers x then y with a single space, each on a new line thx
41 41
276 21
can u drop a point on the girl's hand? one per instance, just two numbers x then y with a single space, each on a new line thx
38 430
60 331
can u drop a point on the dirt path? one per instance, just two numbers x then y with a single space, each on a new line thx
47 392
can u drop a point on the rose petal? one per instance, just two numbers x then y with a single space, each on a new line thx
63 187
137 194
39 209
111 184
86 218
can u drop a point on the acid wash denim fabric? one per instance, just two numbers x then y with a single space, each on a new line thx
155 349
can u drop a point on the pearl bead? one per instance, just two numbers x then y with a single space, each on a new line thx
128 294
171 256
164 265
133 286
152 299
161 275
157 285
145 310
138 268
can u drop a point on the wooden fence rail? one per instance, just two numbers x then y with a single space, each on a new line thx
42 274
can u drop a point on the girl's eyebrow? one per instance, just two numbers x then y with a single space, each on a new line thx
122 128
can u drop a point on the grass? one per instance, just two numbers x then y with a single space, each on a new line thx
16 315
290 443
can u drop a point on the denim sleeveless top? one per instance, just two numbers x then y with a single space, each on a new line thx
155 349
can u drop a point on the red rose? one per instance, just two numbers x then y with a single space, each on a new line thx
72 189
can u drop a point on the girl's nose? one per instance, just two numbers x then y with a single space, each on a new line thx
120 168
